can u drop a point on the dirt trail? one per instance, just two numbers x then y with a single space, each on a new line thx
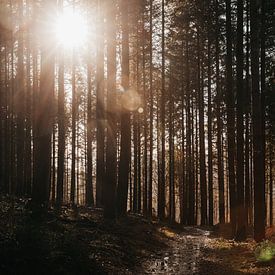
182 255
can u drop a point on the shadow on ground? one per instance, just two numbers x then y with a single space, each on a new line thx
75 241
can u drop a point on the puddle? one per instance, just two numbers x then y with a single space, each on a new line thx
181 257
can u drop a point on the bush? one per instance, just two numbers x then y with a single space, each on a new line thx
265 251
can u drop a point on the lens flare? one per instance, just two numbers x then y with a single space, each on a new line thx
130 100
71 29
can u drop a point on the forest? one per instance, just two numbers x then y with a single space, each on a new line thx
137 136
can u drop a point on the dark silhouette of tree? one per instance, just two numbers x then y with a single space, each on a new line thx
241 223
100 115
230 119
61 127
111 116
161 183
258 152
44 113
125 147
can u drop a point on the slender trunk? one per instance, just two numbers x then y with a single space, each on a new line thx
241 223
209 137
262 76
201 136
145 98
20 107
150 176
109 190
135 187
219 129
89 196
258 135
53 187
43 121
247 122
61 132
28 112
171 153
100 114
190 195
74 113
182 172
138 166
161 198
7 138
230 119
125 144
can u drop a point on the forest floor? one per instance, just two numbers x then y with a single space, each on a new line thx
79 241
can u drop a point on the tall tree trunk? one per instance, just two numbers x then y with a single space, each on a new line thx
190 195
125 144
135 184
262 76
53 178
195 144
138 166
28 112
209 136
219 125
100 114
150 176
258 154
171 152
109 190
182 170
161 187
230 119
7 137
12 186
20 107
201 137
241 223
247 182
43 123
145 113
61 130
74 113
89 196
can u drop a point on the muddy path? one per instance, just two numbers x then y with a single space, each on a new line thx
181 256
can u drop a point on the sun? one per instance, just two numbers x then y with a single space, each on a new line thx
71 29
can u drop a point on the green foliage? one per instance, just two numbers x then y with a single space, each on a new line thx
265 251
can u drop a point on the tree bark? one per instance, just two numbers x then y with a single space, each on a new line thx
258 135
43 123
110 181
